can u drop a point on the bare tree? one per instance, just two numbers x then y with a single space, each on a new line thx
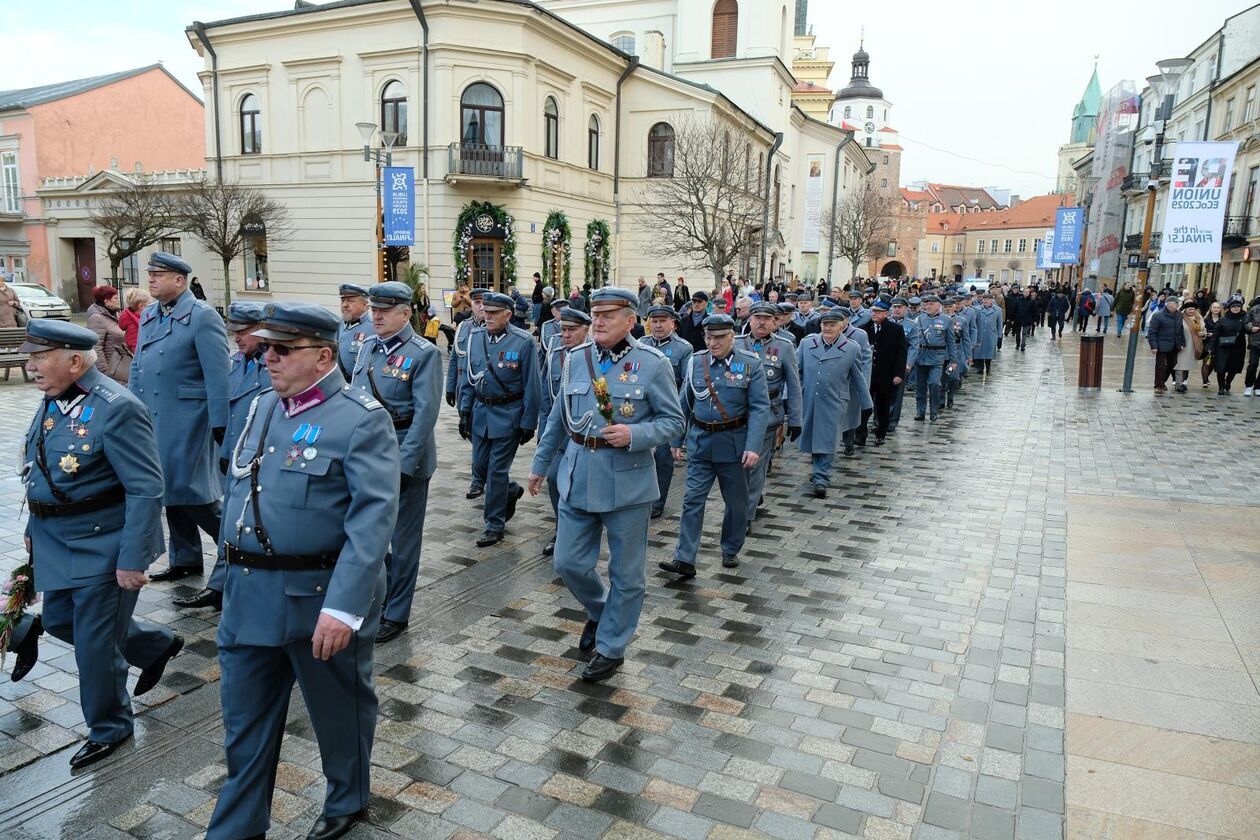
709 210
224 216
132 218
861 226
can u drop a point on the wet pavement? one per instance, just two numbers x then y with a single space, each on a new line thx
889 662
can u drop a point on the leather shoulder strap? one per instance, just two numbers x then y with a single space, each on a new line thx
708 383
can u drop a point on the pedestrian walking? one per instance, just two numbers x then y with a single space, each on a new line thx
356 325
574 327
1166 337
1229 351
988 333
663 336
1210 319
1023 309
1251 327
909 326
180 372
1193 334
1057 312
309 509
1123 307
889 349
783 384
1102 310
129 318
831 371
859 408
937 350
457 376
610 424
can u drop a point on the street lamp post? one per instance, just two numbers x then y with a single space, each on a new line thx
1163 86
382 158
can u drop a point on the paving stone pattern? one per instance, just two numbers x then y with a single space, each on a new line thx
888 663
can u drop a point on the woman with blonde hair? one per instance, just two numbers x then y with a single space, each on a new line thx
1194 331
129 318
1210 319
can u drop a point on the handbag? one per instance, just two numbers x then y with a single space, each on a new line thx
1227 340
118 368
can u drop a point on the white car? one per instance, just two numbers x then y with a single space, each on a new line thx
38 302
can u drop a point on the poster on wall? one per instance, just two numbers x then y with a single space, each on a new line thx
1044 260
1196 202
1069 226
813 203
399 192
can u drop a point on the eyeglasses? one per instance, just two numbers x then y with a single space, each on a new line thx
283 350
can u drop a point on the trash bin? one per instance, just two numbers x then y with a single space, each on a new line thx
1089 371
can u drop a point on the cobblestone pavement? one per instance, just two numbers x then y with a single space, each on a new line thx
887 663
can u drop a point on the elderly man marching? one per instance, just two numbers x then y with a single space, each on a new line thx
574 325
356 325
457 378
988 332
498 408
937 349
663 335
618 402
831 373
860 405
910 327
308 515
94 487
180 372
727 405
553 326
783 382
246 378
403 372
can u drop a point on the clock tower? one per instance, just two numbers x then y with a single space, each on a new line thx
860 107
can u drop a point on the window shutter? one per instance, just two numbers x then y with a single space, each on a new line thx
725 28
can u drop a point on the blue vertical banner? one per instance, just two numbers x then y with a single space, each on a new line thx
1069 227
399 205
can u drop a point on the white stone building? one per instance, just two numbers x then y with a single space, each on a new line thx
564 106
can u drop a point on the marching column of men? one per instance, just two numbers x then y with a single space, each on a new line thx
314 419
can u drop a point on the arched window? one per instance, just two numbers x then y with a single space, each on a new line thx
870 112
725 28
481 116
251 126
394 111
848 112
623 41
661 151
592 143
551 128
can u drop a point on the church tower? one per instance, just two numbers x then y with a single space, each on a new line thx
1082 135
861 107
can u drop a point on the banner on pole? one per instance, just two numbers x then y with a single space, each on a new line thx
1196 202
1044 260
400 205
1068 228
813 203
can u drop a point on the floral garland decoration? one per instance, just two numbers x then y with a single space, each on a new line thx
16 594
556 232
464 235
598 249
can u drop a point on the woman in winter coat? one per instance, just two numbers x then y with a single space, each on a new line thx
1230 348
129 318
1194 332
1210 320
113 357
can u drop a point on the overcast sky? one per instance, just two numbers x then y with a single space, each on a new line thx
989 83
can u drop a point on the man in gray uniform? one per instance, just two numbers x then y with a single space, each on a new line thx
310 507
663 326
859 315
831 372
180 372
403 372
783 382
91 468
612 424
910 327
356 325
574 325
457 378
727 405
937 349
860 405
498 409
551 327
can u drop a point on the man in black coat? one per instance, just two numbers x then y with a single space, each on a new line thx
1167 338
1022 310
691 317
888 367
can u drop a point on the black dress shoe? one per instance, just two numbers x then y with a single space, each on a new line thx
820 491
205 598
330 828
683 570
587 642
879 441
918 417
149 676
657 514
176 573
27 653
92 752
849 450
549 549
729 561
935 417
489 538
515 491
600 668
474 492
389 630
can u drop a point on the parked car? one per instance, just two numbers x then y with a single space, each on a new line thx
38 302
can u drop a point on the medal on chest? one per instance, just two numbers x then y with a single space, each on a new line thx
303 443
69 464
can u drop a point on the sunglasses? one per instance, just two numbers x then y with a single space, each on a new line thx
283 350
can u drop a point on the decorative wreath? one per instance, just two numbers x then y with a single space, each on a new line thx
598 250
464 230
556 232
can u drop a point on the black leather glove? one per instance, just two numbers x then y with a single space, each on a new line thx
450 398
794 432
524 436
403 481
218 432
223 465
465 425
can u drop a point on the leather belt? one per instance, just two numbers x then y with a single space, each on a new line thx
590 442
47 510
724 426
510 398
278 562
402 424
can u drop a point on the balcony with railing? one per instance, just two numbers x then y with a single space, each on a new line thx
481 162
1135 182
1236 231
1133 242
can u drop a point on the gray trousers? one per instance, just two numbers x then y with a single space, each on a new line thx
732 478
402 564
183 522
757 475
496 456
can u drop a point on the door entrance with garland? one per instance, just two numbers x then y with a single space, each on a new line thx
485 263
